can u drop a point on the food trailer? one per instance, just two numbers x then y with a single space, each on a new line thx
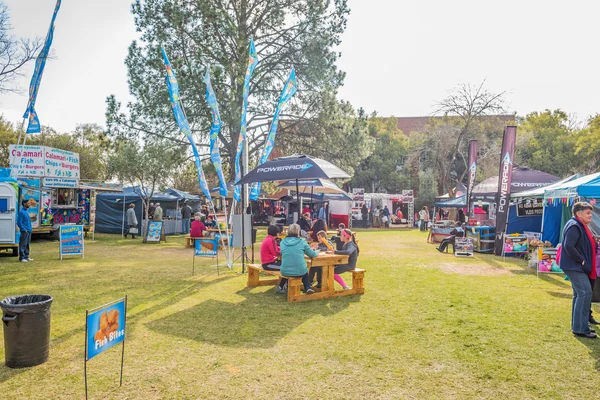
49 179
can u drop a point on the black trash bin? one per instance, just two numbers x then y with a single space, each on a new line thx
26 321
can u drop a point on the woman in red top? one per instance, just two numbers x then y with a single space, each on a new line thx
198 227
269 250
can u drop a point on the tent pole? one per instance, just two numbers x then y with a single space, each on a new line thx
298 201
123 220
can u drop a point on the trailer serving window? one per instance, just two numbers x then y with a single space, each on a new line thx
64 198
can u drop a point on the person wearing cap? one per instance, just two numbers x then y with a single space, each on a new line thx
24 224
158 213
131 221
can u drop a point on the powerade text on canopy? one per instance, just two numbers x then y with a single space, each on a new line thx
301 167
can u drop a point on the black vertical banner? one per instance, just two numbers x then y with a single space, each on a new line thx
504 181
472 172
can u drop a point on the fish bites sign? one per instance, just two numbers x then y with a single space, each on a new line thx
44 161
105 328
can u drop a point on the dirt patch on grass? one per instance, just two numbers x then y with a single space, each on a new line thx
471 269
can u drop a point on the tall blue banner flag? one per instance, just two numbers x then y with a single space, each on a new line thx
252 62
289 90
215 128
182 122
34 123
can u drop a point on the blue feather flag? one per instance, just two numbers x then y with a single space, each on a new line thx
215 128
182 122
289 90
34 86
252 62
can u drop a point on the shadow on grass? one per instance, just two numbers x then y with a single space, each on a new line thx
260 321
594 346
561 295
167 297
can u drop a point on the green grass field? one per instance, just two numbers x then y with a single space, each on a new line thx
429 326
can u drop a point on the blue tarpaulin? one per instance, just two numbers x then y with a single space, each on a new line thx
110 212
518 224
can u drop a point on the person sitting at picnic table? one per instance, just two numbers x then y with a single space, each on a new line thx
293 249
349 249
318 226
210 222
270 252
198 228
458 231
305 223
323 245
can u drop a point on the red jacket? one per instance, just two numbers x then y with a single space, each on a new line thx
197 229
269 250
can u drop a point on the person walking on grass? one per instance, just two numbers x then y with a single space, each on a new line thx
293 249
24 224
131 221
578 261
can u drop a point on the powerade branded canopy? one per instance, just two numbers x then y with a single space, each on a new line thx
539 192
522 179
293 167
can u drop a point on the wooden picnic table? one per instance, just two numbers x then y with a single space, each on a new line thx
327 261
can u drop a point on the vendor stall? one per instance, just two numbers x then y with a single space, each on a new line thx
483 238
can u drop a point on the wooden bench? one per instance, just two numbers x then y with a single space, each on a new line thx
295 284
254 271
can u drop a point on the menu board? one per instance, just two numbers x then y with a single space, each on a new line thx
71 240
515 244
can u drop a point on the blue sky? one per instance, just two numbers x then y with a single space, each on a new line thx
400 57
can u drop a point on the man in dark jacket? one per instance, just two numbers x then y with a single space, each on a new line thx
578 261
186 215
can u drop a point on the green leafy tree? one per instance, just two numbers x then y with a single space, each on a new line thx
146 166
427 190
8 136
88 141
384 169
199 33
587 148
547 142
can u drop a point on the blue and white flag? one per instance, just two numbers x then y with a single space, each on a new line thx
182 122
215 128
252 62
289 90
34 123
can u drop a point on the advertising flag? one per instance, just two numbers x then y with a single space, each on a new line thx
472 173
34 86
504 182
289 90
252 62
215 128
182 122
